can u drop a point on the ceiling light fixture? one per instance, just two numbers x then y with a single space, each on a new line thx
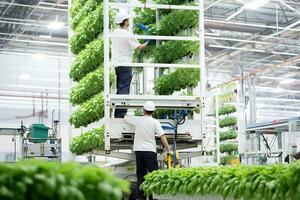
55 25
255 4
45 36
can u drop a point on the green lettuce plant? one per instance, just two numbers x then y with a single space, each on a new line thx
87 60
228 135
89 112
86 142
225 160
268 182
227 109
88 29
90 85
228 148
76 7
171 51
34 179
88 7
177 80
227 121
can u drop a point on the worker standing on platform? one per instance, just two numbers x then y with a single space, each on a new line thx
146 127
122 52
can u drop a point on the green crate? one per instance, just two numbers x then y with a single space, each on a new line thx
38 133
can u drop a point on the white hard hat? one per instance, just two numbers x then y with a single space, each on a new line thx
121 16
149 106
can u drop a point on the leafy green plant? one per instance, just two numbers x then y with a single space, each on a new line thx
90 85
144 16
225 160
171 51
89 112
228 135
88 59
177 80
88 29
227 97
76 7
88 141
228 148
176 21
88 7
227 109
268 182
227 121
35 179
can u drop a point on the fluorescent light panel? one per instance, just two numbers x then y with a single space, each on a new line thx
255 4
55 25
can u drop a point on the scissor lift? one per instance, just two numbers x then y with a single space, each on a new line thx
119 135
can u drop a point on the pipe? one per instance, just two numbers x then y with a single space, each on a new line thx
265 69
32 96
36 7
37 42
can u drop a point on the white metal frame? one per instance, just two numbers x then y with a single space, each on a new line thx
201 65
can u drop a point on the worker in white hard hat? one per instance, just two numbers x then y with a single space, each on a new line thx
122 52
146 127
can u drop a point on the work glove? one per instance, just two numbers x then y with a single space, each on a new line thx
142 27
169 151
145 29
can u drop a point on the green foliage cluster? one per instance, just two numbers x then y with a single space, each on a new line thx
227 109
89 112
144 16
76 7
228 135
228 121
90 85
37 180
87 30
93 139
228 148
227 97
267 182
88 7
171 51
225 160
176 21
177 80
87 60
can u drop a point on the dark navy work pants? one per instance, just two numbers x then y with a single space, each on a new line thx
124 77
146 162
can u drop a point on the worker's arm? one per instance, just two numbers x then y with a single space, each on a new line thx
161 134
134 43
165 142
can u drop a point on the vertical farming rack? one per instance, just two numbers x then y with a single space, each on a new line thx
115 128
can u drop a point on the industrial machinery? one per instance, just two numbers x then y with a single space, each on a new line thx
36 141
272 142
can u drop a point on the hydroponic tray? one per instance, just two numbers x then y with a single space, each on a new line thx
271 124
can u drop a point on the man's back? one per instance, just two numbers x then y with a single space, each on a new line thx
122 48
146 128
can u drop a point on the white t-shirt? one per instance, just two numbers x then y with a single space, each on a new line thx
123 48
146 127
